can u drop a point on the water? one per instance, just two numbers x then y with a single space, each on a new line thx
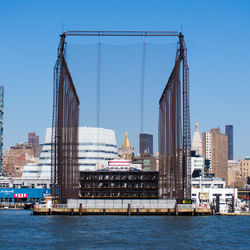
20 230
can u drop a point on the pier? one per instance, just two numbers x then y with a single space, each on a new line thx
122 207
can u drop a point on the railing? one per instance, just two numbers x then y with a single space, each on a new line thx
112 204
11 205
187 206
121 204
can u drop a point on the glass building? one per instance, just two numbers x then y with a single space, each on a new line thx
229 133
146 144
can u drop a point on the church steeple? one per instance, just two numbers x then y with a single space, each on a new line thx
126 151
126 143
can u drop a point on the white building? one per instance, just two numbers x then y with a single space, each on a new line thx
197 164
96 147
204 191
196 142
208 149
122 165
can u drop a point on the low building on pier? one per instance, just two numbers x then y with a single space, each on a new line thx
121 180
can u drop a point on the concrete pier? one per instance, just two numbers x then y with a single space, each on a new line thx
122 207
128 212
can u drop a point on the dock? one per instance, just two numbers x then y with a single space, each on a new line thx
122 207
137 212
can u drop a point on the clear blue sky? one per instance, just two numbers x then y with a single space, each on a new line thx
216 33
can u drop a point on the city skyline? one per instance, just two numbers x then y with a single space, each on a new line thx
214 69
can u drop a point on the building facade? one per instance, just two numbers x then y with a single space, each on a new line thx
22 195
205 190
15 158
244 169
229 133
207 145
112 184
147 161
197 166
233 178
96 147
33 139
196 142
215 149
146 144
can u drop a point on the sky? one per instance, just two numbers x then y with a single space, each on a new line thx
217 38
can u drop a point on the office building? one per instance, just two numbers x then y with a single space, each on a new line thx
196 142
33 139
215 149
229 133
147 161
146 144
1 127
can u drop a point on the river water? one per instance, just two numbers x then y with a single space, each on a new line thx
20 230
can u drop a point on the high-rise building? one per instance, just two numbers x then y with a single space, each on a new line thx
146 144
244 168
229 133
196 142
33 139
1 127
215 149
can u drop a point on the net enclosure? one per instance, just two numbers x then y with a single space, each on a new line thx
173 117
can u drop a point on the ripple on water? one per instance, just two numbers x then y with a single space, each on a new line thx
20 230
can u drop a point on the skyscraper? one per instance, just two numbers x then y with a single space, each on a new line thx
229 133
196 142
1 127
33 139
215 149
146 144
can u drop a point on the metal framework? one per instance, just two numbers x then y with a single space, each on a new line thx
174 124
1 127
174 131
64 153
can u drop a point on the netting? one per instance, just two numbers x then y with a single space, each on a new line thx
131 80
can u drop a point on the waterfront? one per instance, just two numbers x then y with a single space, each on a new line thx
20 230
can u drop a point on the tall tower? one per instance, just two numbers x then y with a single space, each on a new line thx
229 133
215 149
196 142
1 127
33 139
146 144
